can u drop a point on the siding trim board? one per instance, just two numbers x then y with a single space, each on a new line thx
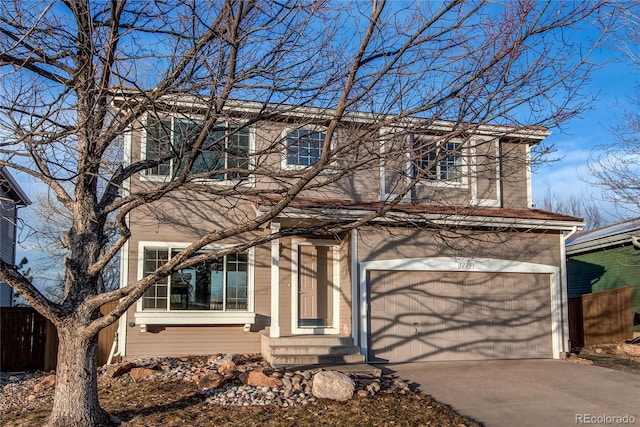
480 265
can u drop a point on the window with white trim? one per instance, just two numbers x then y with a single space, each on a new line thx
303 147
169 140
220 285
439 161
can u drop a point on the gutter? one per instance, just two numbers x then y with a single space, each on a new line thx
443 219
603 243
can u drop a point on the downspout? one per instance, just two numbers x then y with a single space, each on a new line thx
566 342
635 241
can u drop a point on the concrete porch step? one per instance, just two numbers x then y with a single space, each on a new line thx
315 340
283 361
301 350
314 350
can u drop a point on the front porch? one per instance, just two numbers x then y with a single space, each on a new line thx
304 350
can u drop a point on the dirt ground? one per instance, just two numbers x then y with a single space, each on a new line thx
178 403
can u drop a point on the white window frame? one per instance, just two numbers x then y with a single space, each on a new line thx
167 316
285 134
464 167
145 176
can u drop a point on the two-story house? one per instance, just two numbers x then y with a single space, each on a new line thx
460 267
11 198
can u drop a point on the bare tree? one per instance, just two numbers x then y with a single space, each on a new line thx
615 166
77 76
575 206
50 222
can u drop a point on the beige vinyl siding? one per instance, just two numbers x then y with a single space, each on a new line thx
345 288
486 169
514 175
172 341
376 243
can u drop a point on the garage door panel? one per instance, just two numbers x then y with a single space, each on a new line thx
458 316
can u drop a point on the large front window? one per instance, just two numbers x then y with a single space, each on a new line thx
170 142
439 162
217 285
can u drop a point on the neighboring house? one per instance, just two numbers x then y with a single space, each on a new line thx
606 258
397 290
11 198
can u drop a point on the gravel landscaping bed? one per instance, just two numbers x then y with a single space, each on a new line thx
228 390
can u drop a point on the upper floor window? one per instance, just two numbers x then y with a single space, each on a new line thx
170 139
218 285
304 147
440 161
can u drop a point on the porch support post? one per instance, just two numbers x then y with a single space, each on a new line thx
355 295
274 330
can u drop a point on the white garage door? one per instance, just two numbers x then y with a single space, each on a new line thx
431 316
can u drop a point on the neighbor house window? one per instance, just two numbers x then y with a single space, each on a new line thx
169 140
217 285
439 162
303 147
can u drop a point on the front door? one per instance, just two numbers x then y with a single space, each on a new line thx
315 287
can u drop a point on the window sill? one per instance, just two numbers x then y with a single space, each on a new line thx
443 184
143 318
244 182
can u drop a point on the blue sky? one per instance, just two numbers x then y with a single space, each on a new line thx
612 84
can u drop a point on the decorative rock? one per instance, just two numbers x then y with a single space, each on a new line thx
156 366
259 379
333 385
630 349
140 373
119 370
374 387
47 382
228 367
210 381
363 393
401 385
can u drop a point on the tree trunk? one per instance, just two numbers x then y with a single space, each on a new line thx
75 401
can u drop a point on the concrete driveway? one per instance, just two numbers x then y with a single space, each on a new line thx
529 392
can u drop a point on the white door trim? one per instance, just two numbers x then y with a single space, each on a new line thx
335 327
479 265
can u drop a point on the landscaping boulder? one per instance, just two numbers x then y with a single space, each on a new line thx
46 383
119 370
211 380
629 349
228 367
140 373
333 385
258 378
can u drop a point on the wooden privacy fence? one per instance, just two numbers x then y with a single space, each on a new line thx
28 340
601 318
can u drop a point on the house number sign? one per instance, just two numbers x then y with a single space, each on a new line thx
465 263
